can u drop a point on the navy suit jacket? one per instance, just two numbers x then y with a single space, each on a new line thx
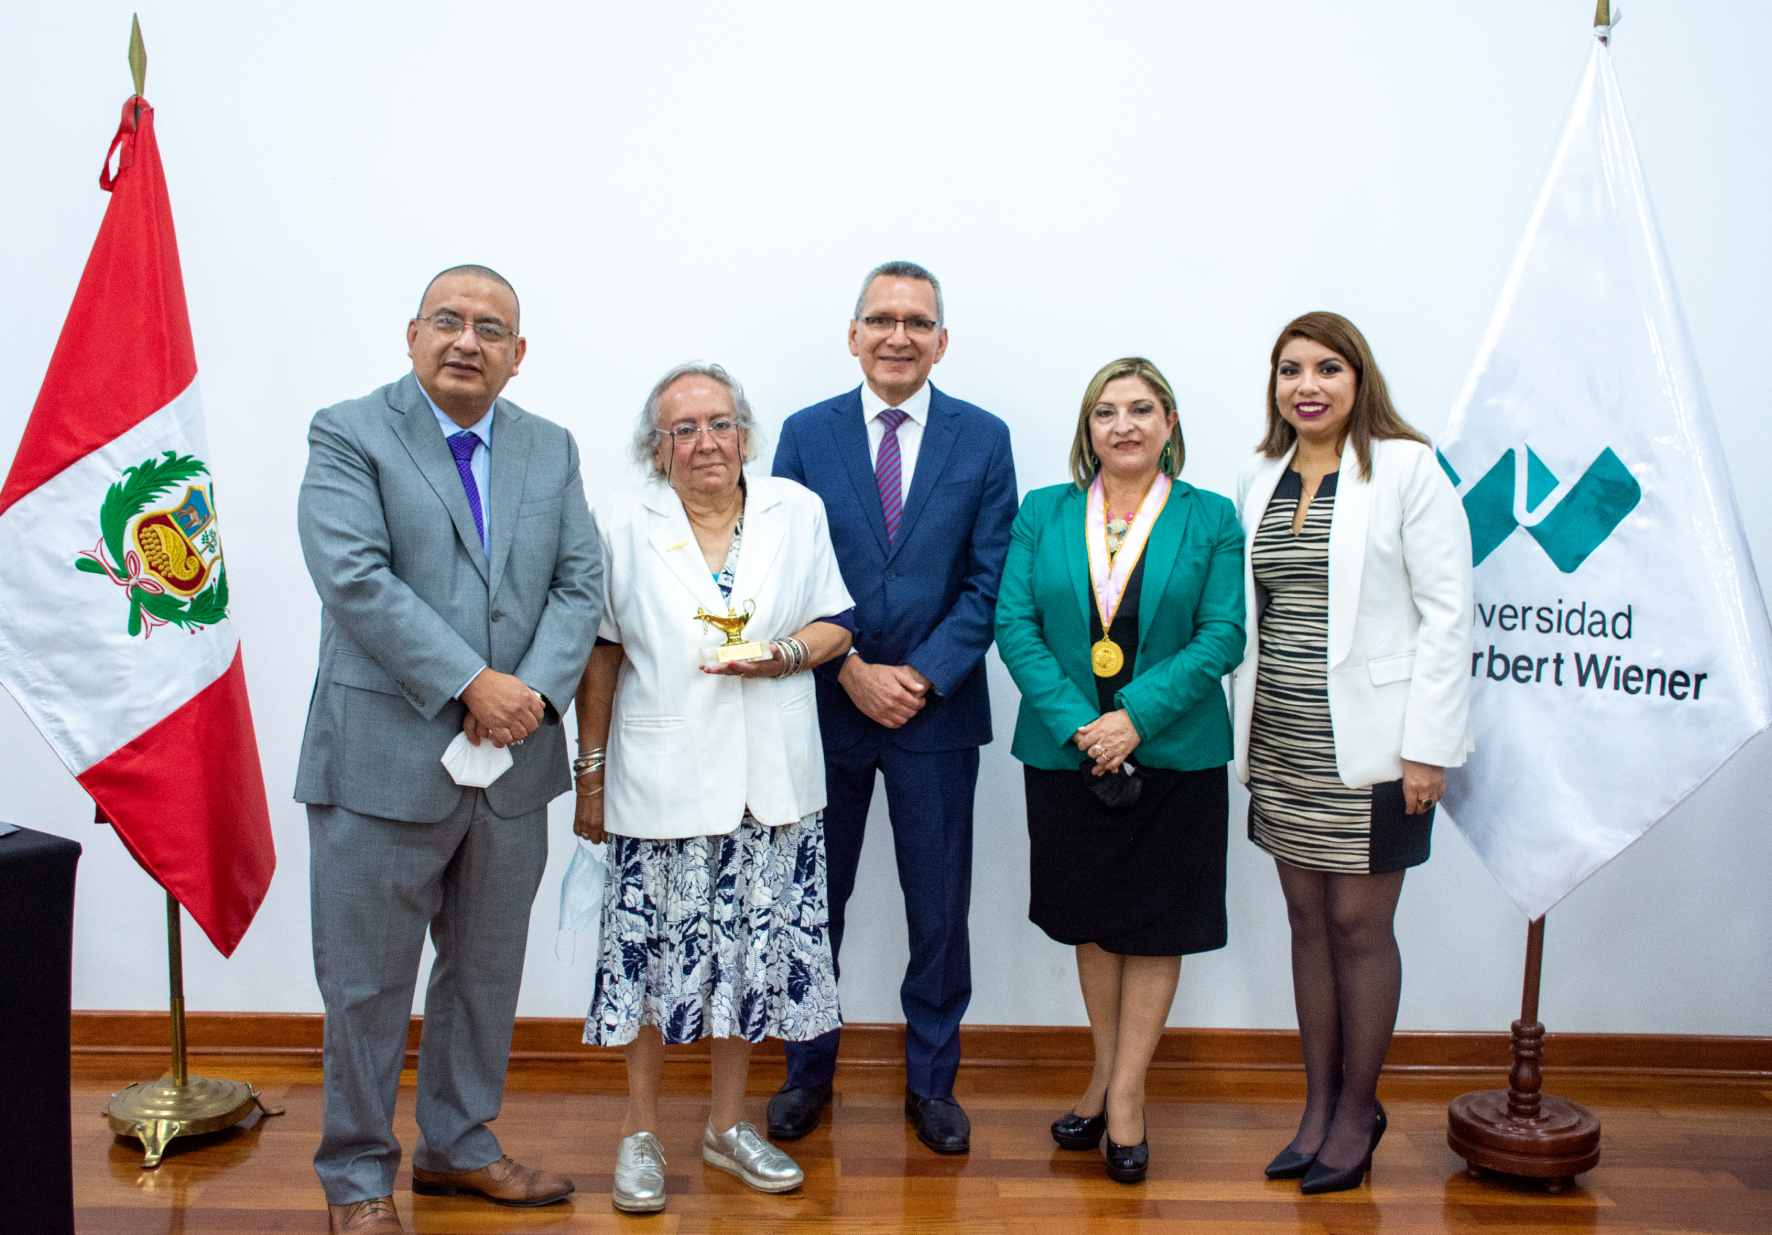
929 599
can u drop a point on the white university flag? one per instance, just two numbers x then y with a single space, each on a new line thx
1621 649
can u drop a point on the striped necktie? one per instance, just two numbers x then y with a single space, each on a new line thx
889 472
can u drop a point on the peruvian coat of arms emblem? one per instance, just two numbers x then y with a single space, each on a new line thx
168 561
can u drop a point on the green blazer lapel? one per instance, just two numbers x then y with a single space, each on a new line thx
1073 528
1161 551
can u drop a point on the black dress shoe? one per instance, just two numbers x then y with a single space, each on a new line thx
1320 1178
793 1111
1290 1164
1072 1131
940 1123
1127 1163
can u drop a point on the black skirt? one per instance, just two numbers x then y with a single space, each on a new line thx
1148 881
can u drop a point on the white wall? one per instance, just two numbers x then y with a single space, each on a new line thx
669 181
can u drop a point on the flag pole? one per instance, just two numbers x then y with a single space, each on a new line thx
175 976
179 1104
1520 1130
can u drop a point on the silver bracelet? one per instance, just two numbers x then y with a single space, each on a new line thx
588 761
793 655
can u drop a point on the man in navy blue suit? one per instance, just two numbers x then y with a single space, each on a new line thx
919 489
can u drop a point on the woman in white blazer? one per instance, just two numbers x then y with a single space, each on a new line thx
1352 699
708 781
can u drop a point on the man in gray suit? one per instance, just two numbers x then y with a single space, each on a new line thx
447 534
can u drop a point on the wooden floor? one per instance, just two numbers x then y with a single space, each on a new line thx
1679 1156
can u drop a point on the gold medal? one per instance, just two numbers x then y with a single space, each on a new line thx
1112 559
1106 658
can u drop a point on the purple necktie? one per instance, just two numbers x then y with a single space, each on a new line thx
462 445
889 472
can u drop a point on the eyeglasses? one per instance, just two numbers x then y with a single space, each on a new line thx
916 327
719 430
448 325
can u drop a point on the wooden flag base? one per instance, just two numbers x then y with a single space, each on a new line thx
1518 1130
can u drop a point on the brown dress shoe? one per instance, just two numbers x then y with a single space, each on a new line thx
377 1217
502 1183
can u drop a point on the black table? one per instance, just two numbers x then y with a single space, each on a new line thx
36 953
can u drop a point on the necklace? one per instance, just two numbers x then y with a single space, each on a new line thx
1108 572
1117 527
720 520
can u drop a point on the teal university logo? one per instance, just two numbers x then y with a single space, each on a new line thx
1569 521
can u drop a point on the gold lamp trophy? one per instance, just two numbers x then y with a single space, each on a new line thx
735 648
179 1104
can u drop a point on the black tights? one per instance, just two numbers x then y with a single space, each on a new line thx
1347 976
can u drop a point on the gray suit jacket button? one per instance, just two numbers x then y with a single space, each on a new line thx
496 614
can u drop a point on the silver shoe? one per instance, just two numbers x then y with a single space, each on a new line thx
742 1151
639 1175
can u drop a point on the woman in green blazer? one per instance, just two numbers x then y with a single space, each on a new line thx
1120 611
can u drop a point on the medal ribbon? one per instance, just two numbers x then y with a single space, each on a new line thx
1108 576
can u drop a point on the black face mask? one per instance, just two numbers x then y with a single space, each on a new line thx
1116 790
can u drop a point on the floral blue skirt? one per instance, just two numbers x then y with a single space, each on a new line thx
722 936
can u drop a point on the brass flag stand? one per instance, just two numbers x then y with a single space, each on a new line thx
179 1104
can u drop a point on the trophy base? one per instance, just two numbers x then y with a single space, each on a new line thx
726 654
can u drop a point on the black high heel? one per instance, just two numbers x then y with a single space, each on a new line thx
1127 1163
1319 1178
1289 1164
1072 1131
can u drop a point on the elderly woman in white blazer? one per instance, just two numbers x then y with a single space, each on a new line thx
1352 699
708 781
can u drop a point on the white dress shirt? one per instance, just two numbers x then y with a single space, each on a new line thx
910 433
480 467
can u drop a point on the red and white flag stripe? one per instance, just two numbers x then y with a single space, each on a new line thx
114 636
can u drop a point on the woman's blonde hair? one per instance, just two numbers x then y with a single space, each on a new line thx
1084 464
1373 418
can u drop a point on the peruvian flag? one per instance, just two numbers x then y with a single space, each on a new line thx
114 631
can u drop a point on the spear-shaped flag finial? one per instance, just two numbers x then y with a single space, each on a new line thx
138 54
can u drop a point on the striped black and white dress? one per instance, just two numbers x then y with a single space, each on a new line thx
1300 811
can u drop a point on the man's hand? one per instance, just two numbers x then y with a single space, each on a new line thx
889 694
500 709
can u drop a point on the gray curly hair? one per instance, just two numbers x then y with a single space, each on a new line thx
643 449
